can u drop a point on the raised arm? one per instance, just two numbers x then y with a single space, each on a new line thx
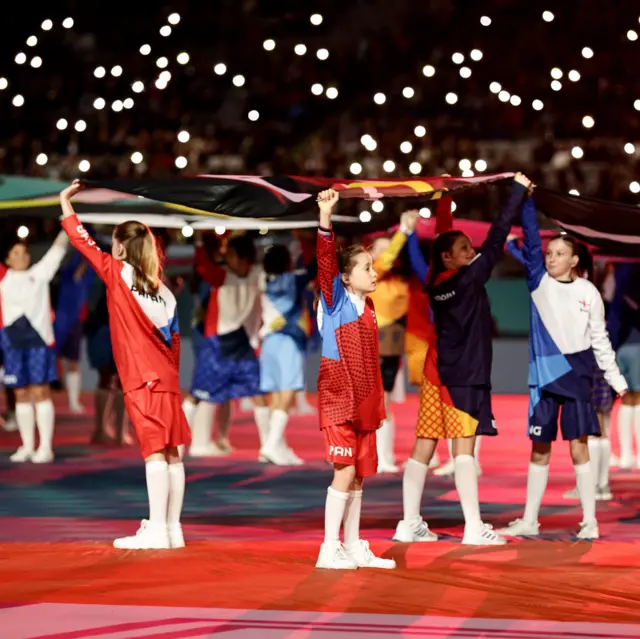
384 262
514 250
331 287
444 215
78 235
602 349
532 248
492 248
48 266
416 258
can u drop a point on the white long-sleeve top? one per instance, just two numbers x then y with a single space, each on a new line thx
25 300
567 326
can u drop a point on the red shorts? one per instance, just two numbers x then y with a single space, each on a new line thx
158 420
345 445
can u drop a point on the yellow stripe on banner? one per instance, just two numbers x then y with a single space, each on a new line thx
28 204
417 185
188 209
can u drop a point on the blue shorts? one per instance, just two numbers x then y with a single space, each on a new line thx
281 364
24 367
219 377
628 357
70 348
578 418
99 350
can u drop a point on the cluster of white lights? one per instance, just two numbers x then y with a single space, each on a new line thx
368 142
465 166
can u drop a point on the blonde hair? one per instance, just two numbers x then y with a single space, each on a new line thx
142 255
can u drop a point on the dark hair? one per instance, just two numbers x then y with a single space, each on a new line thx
243 247
8 245
142 255
346 259
277 260
585 259
442 244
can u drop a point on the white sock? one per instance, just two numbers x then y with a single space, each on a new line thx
466 478
351 521
586 490
605 456
625 427
595 457
277 425
158 490
45 415
26 419
384 441
202 425
261 417
636 428
176 493
73 382
413 480
537 478
334 509
189 409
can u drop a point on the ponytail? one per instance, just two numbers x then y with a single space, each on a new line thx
142 255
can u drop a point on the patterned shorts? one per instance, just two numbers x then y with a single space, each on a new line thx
457 411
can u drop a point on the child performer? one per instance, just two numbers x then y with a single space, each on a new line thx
602 396
455 399
227 367
146 349
350 393
284 339
76 279
419 322
391 301
28 344
567 331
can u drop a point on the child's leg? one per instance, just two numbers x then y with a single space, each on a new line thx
189 405
584 478
625 430
537 478
466 479
261 416
351 521
337 496
26 420
602 469
275 448
73 383
223 421
153 533
176 496
45 417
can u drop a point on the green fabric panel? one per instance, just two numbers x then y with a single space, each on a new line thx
510 301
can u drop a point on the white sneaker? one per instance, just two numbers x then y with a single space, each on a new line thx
42 456
435 461
446 470
210 450
409 531
589 530
364 558
76 409
294 460
603 493
176 538
148 537
333 556
571 494
484 535
277 455
21 455
386 466
521 528
10 424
